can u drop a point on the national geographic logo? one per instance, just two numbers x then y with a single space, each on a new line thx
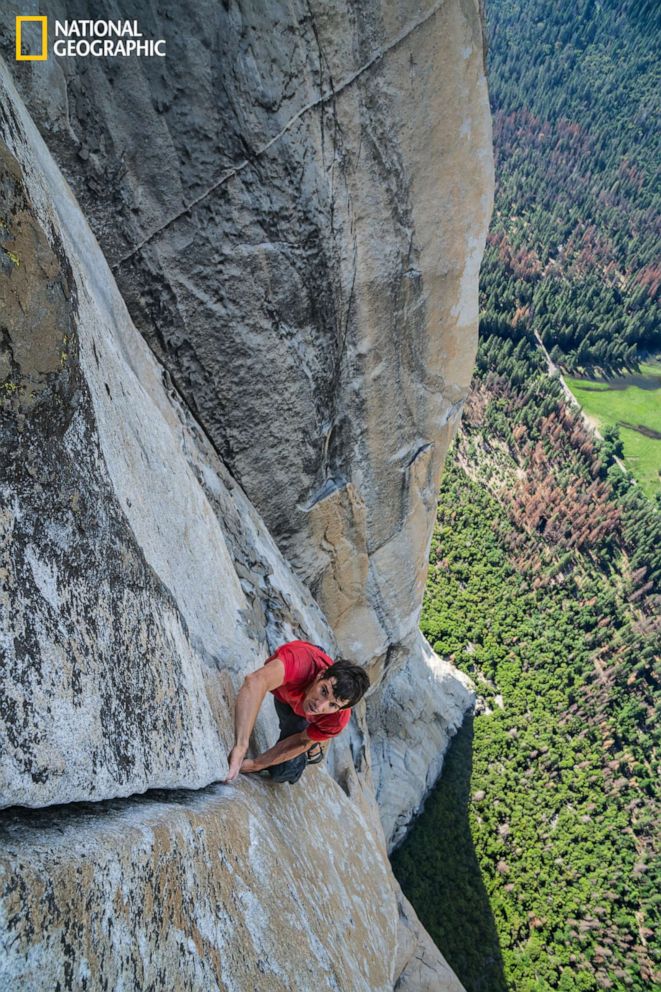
83 38
41 24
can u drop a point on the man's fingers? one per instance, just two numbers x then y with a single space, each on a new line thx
234 766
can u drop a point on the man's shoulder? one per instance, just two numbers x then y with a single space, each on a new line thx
302 662
304 653
307 647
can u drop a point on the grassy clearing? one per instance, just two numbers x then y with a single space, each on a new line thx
615 401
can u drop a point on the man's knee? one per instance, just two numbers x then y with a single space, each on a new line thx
288 771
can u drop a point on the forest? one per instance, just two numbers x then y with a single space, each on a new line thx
544 586
535 863
573 247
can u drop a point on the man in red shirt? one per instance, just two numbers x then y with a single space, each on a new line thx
313 697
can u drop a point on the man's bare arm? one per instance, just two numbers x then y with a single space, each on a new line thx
250 698
284 750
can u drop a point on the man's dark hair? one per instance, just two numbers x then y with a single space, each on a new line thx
351 681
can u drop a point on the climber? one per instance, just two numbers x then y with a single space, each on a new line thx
312 697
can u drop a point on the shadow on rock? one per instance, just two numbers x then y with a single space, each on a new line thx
438 870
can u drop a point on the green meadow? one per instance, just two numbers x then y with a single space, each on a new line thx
633 402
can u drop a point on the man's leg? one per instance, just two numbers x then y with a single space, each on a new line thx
288 771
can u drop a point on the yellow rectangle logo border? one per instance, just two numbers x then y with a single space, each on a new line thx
44 39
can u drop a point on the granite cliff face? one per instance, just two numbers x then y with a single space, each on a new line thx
138 586
294 215
294 203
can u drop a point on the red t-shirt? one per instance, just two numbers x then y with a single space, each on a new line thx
303 662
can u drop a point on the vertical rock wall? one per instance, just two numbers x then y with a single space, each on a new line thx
137 586
295 203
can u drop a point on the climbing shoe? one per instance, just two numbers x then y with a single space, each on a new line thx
315 754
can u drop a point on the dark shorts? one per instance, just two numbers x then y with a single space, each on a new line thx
289 771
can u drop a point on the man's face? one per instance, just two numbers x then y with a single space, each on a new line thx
320 697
